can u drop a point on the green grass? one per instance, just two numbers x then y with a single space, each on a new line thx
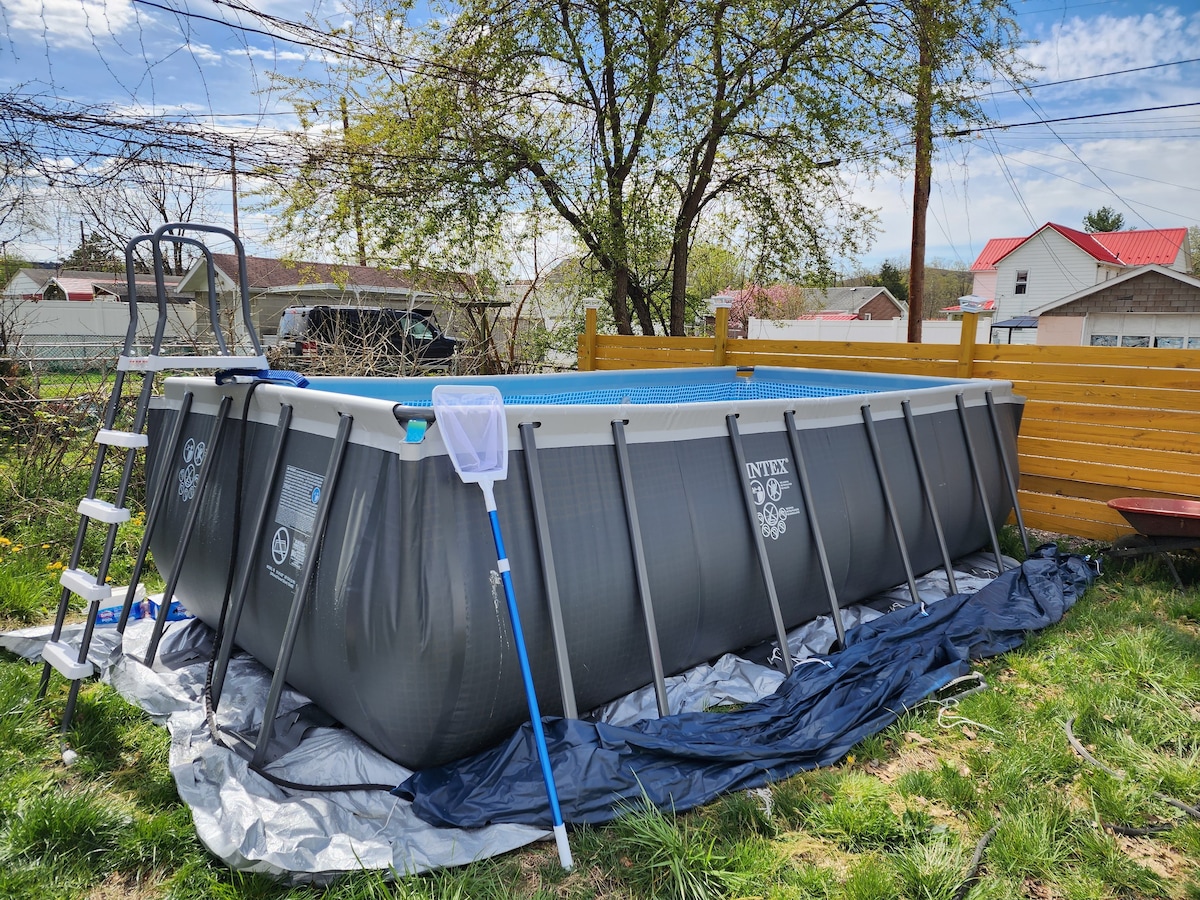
899 818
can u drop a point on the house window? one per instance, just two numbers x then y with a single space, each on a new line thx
1135 340
1104 340
1173 342
1022 281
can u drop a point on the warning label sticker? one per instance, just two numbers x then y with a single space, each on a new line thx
771 487
294 517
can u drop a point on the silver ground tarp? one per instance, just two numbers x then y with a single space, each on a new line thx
302 836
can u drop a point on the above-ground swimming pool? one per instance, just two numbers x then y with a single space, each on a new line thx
654 520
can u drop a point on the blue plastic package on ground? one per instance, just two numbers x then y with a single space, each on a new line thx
818 714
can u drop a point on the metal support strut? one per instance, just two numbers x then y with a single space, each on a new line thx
238 600
977 475
292 629
814 524
927 489
1009 477
639 564
549 573
206 466
890 501
760 547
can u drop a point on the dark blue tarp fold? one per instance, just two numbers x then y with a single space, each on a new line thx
813 719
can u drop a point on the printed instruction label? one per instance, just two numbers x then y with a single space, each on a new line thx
770 486
188 476
294 517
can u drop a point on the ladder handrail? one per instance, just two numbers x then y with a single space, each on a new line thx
214 314
243 275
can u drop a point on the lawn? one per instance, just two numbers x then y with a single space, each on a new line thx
905 815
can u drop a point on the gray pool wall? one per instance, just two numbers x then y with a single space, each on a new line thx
405 638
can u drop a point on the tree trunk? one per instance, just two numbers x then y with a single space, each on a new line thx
922 172
679 273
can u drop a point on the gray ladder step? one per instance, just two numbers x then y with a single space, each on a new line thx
130 440
155 363
103 511
65 659
83 584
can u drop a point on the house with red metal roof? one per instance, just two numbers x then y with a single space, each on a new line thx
1024 274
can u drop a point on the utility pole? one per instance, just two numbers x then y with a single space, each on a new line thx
354 205
923 168
233 174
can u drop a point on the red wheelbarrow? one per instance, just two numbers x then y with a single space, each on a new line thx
1164 526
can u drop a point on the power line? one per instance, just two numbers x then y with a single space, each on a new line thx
1043 84
1119 112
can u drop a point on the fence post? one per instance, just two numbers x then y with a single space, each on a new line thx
587 340
966 344
721 330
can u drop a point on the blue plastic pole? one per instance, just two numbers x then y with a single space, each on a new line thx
535 714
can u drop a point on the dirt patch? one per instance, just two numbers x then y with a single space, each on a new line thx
126 887
1154 856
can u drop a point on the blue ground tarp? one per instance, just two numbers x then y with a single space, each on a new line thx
816 716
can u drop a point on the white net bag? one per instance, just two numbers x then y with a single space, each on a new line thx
474 430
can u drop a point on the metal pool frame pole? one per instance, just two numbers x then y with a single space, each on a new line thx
238 601
926 488
549 573
889 501
814 526
969 443
1008 473
760 548
156 502
639 564
292 629
189 525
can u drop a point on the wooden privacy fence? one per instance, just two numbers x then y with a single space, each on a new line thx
1100 422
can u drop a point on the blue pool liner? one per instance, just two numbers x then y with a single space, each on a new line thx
818 714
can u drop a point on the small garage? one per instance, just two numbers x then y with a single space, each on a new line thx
1150 306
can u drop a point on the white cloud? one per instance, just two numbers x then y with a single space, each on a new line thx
269 53
203 53
69 23
1081 47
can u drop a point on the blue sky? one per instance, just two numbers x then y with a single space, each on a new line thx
1005 182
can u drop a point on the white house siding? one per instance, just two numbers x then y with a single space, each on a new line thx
933 331
1056 267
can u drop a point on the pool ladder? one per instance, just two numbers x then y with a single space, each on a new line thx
58 654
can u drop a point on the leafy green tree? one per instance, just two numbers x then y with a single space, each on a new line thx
634 125
1103 219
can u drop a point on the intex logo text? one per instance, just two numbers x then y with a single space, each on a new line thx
767 467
